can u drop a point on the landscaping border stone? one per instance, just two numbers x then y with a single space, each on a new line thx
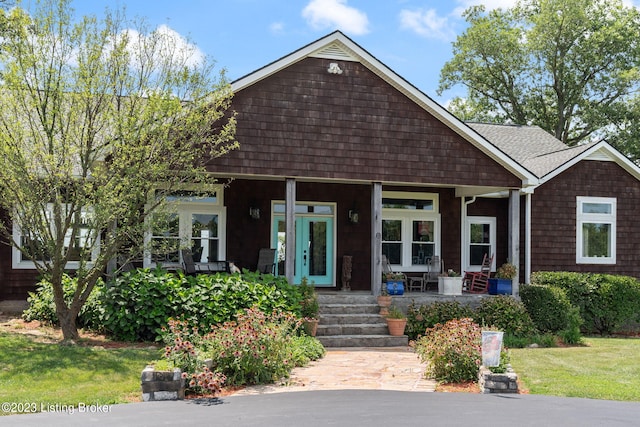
162 385
497 383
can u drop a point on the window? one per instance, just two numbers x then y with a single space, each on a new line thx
193 222
596 230
481 232
85 240
410 229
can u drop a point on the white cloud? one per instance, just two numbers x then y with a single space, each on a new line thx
427 23
276 27
323 14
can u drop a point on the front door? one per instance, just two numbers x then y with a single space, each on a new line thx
314 248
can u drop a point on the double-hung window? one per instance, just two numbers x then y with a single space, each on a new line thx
481 240
410 229
595 230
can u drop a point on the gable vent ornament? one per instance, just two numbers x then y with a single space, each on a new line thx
334 69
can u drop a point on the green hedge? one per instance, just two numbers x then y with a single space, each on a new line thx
420 318
506 314
606 302
548 306
137 304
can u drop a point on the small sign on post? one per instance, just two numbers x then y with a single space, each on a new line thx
491 348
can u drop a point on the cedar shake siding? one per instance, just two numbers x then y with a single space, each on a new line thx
554 218
303 122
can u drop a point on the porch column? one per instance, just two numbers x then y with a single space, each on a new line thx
376 238
290 225
514 236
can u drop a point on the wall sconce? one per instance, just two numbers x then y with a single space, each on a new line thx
353 216
334 68
254 213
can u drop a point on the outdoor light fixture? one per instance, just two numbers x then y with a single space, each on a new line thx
334 68
254 213
353 216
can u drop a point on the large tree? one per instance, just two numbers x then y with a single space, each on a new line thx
568 66
99 120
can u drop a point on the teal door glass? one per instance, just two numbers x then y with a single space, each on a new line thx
314 249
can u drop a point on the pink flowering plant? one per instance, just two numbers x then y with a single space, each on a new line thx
256 348
452 350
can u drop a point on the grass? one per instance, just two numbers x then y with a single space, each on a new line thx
605 368
49 374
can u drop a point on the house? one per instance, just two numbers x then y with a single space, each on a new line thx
341 157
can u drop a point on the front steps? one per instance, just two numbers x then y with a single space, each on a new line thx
351 320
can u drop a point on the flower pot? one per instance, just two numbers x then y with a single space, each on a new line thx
395 287
384 301
311 326
450 285
396 326
500 286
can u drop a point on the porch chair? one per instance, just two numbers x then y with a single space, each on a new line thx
192 268
435 266
266 263
477 282
386 268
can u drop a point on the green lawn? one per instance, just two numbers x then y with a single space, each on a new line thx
605 368
32 372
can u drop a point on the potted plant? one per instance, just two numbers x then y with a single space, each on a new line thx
450 283
502 283
396 321
309 307
384 301
395 283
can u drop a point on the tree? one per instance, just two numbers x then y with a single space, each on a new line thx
568 66
98 123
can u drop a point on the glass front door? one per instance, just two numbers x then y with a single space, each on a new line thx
314 249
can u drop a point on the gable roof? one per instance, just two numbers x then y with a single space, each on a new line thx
545 155
341 48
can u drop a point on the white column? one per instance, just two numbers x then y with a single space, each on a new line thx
376 238
514 236
290 227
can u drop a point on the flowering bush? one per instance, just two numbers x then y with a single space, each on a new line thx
419 318
452 351
254 349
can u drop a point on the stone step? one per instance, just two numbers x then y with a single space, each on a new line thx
363 341
346 298
349 308
353 329
351 318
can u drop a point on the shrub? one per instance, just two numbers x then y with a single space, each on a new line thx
452 351
606 302
506 314
571 334
42 306
420 318
254 349
139 303
305 349
548 307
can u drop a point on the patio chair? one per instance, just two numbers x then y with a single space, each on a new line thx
266 263
386 269
477 282
192 268
435 266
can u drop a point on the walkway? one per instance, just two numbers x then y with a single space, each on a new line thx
397 368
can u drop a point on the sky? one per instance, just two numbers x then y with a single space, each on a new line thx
412 37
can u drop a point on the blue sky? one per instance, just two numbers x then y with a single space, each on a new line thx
412 37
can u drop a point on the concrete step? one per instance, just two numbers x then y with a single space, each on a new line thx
353 329
351 318
346 298
363 341
349 308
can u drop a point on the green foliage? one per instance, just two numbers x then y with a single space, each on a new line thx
548 307
606 302
305 349
309 306
452 351
42 306
506 314
395 313
540 340
420 318
534 63
139 303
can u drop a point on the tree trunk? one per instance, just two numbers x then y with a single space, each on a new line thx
68 325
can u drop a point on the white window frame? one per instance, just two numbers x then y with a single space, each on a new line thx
582 218
472 220
407 216
184 209
18 263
